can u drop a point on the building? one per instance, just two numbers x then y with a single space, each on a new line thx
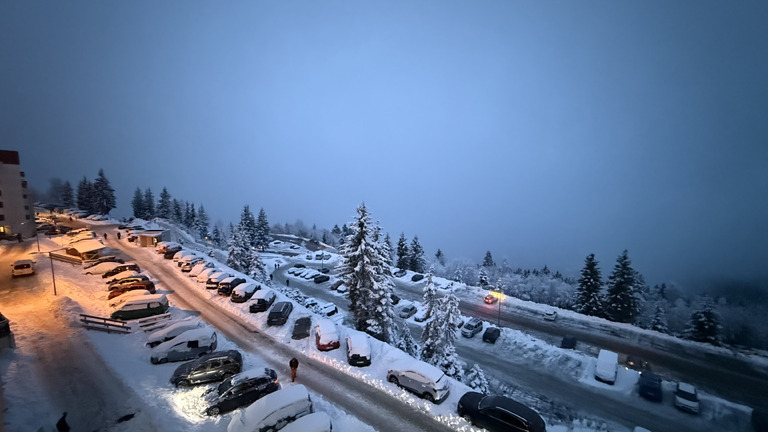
17 213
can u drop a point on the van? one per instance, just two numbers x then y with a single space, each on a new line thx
262 300
22 268
279 313
315 422
607 366
141 307
214 279
172 331
273 411
421 378
227 285
358 350
472 327
186 346
244 292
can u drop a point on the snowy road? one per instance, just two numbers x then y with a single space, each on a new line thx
368 404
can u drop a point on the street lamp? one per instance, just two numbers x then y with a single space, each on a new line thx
499 296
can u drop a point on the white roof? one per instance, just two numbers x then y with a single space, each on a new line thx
174 328
262 294
147 298
87 245
247 420
327 331
315 422
357 343
418 366
688 388
203 334
228 280
23 261
245 288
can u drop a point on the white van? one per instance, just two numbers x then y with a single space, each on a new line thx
273 411
173 330
22 268
187 346
607 366
315 422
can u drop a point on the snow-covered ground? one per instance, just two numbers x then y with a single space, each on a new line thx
174 409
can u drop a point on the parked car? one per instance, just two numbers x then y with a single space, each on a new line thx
417 277
279 313
98 269
300 265
499 413
568 342
186 346
395 298
687 398
163 246
141 307
326 309
204 275
170 332
117 301
121 268
649 386
185 256
214 279
23 267
321 278
262 300
241 390
273 411
358 350
215 366
228 284
171 252
187 266
110 258
407 311
607 366
123 275
199 267
400 273
316 422
421 378
472 327
301 328
491 334
326 335
145 285
550 315
126 281
244 291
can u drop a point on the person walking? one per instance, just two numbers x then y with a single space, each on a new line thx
287 282
105 236
118 235
294 364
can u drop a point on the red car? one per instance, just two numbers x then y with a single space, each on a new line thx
490 299
141 285
326 337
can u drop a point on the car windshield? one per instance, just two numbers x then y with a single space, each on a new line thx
224 386
687 396
22 266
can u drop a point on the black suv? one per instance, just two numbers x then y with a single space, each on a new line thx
241 390
225 288
499 413
649 386
121 268
215 366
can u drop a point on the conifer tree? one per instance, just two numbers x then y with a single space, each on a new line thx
262 229
416 256
483 277
429 299
149 204
255 267
217 237
138 205
164 205
201 222
85 195
440 257
621 303
403 262
659 322
248 225
103 194
67 195
588 300
238 249
439 337
177 214
488 260
407 343
704 325
390 248
475 378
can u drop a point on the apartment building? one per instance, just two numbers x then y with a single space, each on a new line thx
17 212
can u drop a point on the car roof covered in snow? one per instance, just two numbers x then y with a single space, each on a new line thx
357 343
203 333
246 287
420 367
247 420
316 422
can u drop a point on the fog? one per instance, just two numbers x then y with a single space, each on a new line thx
539 131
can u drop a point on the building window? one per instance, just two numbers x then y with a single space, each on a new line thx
2 217
24 196
22 173
24 184
26 207
1 204
27 217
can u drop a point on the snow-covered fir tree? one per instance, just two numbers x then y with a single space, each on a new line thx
483 277
475 378
438 339
164 205
406 342
659 322
621 303
403 255
429 298
85 195
239 256
149 204
588 300
190 216
416 259
704 325
388 243
440 257
137 203
248 225
177 215
67 195
488 260
201 222
262 229
255 267
363 271
217 236
103 194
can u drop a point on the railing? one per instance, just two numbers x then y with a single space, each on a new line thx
154 322
66 258
108 325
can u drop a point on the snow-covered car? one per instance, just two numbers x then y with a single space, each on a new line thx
23 267
273 410
241 390
326 335
206 273
407 311
186 346
550 315
423 379
358 349
110 258
687 398
199 267
101 268
499 413
215 366
244 291
170 332
315 422
215 278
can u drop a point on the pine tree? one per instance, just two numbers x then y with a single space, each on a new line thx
704 325
103 194
190 216
429 299
248 225
149 204
659 322
621 303
388 243
138 205
403 262
381 320
164 205
440 257
67 195
238 249
488 260
85 195
201 222
262 229
588 300
177 215
439 336
416 256
407 343
217 237
476 379
255 267
483 277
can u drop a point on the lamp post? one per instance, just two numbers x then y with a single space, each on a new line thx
53 274
499 297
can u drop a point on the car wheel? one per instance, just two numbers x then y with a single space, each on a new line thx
183 383
429 397
213 411
393 379
467 418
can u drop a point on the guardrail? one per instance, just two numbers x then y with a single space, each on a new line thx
108 325
66 258
154 322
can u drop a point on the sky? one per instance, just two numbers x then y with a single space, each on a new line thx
539 131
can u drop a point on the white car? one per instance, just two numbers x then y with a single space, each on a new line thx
686 398
22 267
